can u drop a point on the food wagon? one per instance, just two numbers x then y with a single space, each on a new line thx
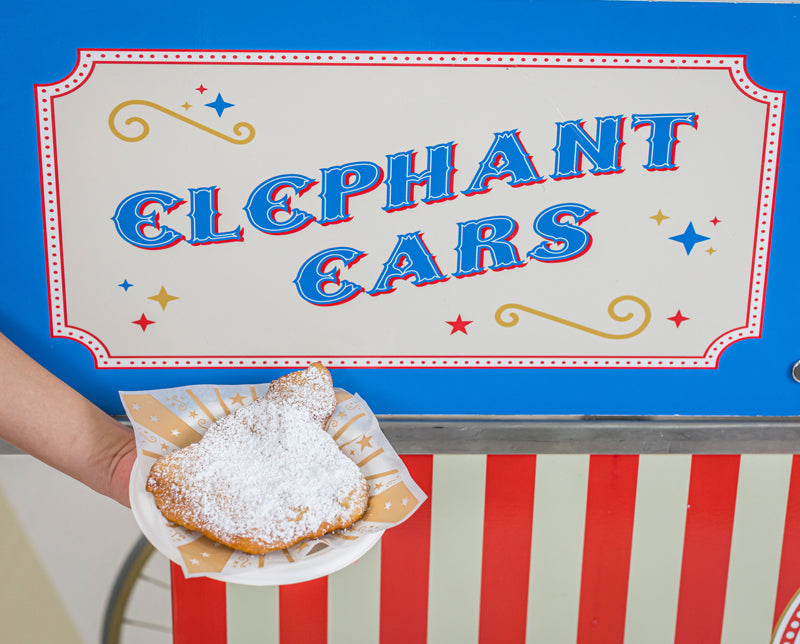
551 246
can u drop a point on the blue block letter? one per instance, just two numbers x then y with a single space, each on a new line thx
263 205
339 183
488 235
315 275
565 239
507 157
204 217
142 210
438 178
410 258
573 143
663 137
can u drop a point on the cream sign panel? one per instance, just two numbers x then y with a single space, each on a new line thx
239 209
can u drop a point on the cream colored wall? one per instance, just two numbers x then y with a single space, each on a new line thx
61 547
26 592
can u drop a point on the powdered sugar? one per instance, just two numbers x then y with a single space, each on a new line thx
309 390
266 472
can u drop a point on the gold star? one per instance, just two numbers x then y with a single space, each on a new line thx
711 250
364 442
659 217
163 298
238 398
186 106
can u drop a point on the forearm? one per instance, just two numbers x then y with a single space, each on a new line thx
46 418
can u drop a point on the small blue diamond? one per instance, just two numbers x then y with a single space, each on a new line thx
689 238
126 285
220 105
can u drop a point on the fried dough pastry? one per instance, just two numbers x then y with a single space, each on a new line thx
266 476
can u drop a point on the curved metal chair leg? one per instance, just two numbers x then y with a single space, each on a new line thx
129 575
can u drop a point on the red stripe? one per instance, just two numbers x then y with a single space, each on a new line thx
789 575
706 548
405 552
198 609
610 505
507 527
303 612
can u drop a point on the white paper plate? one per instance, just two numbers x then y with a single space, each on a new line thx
393 496
276 571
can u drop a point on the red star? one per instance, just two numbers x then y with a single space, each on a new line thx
715 221
143 322
459 325
678 318
201 89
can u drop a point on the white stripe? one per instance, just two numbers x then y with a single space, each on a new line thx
354 601
459 484
252 614
662 491
559 516
756 548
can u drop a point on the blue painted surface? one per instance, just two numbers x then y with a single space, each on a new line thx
39 45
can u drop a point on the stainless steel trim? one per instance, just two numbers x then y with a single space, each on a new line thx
434 434
592 434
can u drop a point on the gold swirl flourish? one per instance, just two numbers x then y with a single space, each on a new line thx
513 317
238 129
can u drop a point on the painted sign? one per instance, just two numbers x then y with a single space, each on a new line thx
241 209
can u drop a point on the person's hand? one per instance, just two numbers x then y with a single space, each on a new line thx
121 473
43 416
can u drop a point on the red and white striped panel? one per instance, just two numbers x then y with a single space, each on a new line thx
554 548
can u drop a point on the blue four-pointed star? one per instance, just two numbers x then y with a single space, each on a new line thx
220 105
689 238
